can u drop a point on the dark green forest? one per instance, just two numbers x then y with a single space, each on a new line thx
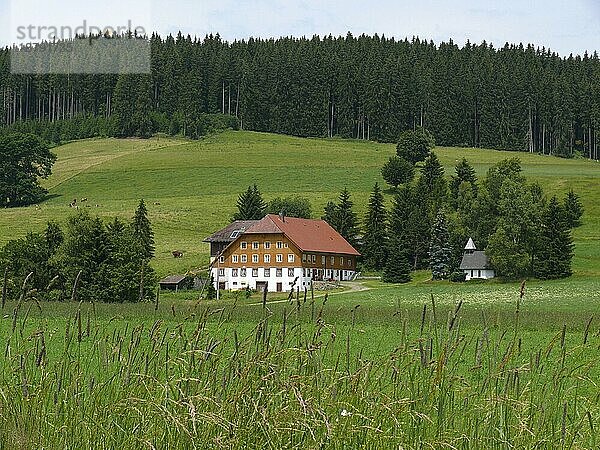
369 87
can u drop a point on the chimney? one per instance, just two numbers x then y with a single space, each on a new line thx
282 216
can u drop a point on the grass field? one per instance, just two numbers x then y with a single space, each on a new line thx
369 369
393 366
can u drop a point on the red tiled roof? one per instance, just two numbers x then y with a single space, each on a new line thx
308 235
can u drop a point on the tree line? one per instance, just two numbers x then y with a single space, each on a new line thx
516 97
87 259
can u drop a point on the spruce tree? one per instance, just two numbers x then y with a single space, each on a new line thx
556 251
211 291
432 178
250 204
419 212
346 220
375 239
464 173
330 213
397 267
142 230
573 210
439 249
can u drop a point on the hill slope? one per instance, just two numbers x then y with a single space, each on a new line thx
197 183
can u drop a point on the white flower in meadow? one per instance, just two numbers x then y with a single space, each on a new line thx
345 413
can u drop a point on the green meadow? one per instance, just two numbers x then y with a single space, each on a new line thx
422 365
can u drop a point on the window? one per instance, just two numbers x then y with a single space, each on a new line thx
279 258
255 245
333 260
221 259
323 259
267 258
285 245
267 245
221 272
267 273
235 234
314 259
349 262
243 245
235 258
255 273
341 260
279 244
290 272
278 273
242 272
234 272
244 258
291 258
254 258
303 257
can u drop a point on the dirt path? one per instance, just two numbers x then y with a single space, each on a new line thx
351 286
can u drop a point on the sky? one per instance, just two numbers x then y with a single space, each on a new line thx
564 26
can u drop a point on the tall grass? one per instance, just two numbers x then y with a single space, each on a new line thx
294 379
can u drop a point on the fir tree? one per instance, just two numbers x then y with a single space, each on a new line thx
556 251
374 248
440 252
344 220
397 267
211 291
250 204
142 231
419 210
464 173
330 213
573 210
432 178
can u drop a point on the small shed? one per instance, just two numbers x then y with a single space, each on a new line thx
172 283
475 263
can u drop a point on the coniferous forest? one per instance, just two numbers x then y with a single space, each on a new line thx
369 87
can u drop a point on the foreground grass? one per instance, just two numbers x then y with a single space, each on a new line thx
365 369
196 184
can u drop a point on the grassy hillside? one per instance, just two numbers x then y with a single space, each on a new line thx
197 183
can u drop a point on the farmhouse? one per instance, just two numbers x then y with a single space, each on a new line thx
475 263
279 253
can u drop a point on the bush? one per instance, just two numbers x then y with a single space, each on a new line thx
458 277
397 171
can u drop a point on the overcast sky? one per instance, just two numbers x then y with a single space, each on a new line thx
564 26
